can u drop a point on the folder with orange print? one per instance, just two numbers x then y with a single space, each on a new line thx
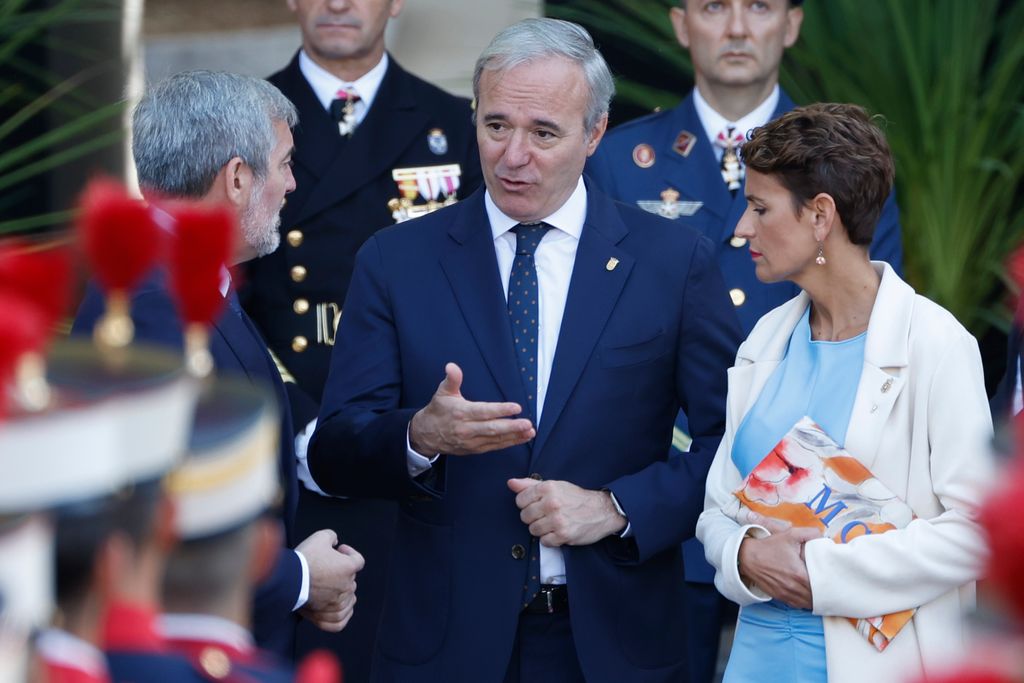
807 480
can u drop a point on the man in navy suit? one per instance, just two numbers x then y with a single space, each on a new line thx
541 519
680 162
366 127
226 139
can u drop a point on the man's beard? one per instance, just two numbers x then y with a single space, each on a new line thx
260 230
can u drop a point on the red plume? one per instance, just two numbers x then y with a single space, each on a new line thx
22 329
969 675
40 275
320 666
121 240
200 251
1004 525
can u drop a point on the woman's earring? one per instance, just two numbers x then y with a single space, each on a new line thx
820 260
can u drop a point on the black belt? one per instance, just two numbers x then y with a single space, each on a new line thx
550 599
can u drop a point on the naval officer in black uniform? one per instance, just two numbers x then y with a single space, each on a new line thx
374 144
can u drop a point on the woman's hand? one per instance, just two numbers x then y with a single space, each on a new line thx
775 564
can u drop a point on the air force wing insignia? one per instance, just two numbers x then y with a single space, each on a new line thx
669 206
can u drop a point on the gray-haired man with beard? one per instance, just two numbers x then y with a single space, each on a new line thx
226 139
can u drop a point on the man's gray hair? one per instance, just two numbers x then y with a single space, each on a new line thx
533 39
188 126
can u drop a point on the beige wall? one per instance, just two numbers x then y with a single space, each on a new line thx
438 40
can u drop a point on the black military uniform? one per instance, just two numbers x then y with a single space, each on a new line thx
343 186
295 295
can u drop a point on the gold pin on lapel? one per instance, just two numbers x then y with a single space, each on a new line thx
612 262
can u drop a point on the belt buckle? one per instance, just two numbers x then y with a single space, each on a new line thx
549 598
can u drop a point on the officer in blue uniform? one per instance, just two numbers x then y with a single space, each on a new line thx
683 163
374 145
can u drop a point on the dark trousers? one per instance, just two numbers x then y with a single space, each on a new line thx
369 527
544 651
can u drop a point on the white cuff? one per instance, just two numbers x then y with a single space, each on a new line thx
302 463
417 464
728 579
628 531
304 590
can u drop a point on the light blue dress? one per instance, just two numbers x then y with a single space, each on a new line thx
776 643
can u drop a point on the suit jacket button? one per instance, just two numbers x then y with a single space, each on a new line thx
518 551
738 241
299 344
536 476
298 273
738 296
294 237
300 306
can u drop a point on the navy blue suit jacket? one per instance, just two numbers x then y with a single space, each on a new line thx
639 339
237 349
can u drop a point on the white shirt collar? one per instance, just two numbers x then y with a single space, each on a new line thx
206 628
568 218
714 122
326 85
225 282
62 648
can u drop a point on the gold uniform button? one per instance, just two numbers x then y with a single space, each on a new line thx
215 662
299 344
518 551
738 241
294 237
300 306
298 273
738 296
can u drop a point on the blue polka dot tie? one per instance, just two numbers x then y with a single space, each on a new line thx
523 313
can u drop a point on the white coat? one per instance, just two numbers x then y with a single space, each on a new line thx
925 435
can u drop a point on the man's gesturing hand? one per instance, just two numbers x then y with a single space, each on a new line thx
332 580
451 424
560 513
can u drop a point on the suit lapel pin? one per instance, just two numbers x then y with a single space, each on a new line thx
643 155
437 141
612 262
887 386
684 143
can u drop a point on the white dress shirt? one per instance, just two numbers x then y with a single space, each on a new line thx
326 85
714 123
